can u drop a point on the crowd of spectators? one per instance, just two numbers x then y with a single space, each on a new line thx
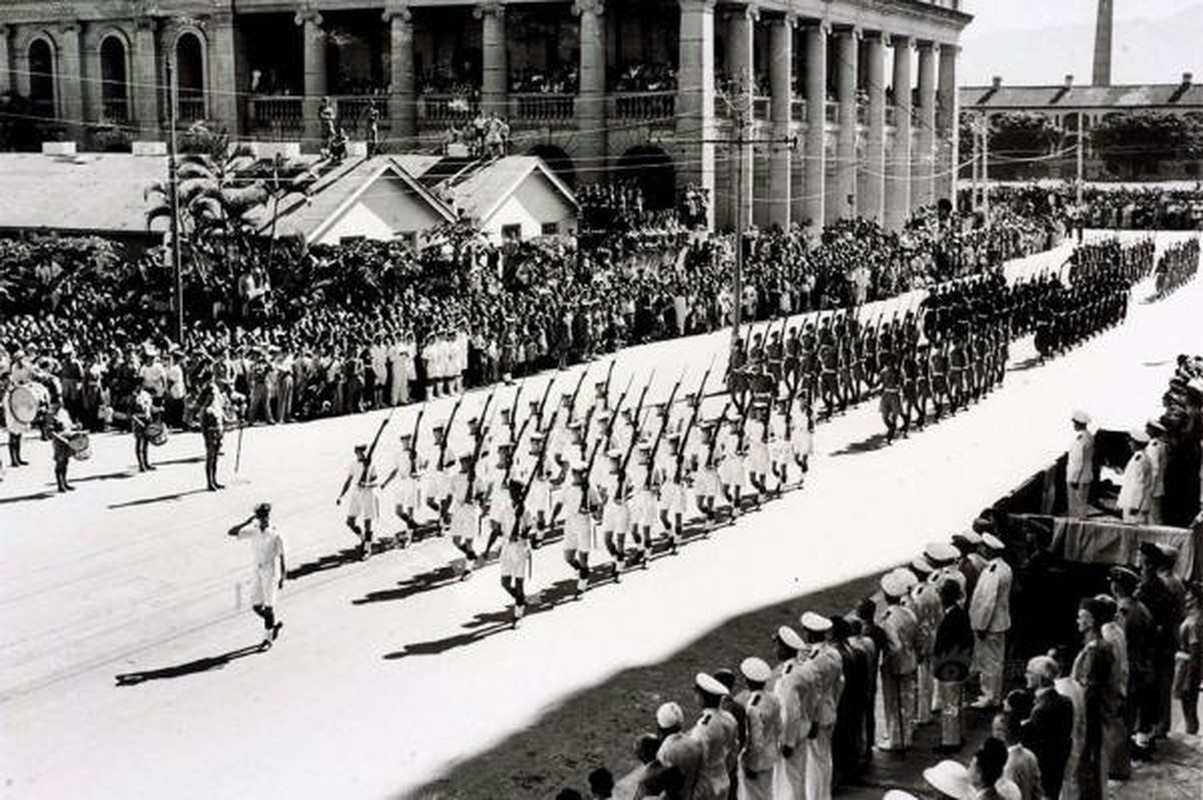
562 80
1118 207
641 77
327 330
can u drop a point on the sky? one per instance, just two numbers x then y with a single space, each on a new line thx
1041 41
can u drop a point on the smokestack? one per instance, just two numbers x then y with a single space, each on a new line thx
1102 43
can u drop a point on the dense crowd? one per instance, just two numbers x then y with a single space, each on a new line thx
1133 208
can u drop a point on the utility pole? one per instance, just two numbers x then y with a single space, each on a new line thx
1081 160
985 121
741 118
173 185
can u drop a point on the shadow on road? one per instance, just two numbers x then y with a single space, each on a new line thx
422 582
146 501
168 462
874 442
35 496
190 668
333 561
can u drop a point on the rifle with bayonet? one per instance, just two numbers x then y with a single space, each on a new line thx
447 432
660 434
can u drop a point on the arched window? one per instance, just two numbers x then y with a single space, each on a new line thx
190 77
41 79
114 84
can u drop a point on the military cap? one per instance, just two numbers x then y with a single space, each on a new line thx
755 670
790 638
670 715
815 623
707 684
940 554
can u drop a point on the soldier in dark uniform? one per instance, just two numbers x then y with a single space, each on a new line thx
957 364
828 358
774 354
939 377
891 402
909 369
793 353
213 430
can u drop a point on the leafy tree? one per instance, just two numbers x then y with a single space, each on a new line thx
1135 141
1021 134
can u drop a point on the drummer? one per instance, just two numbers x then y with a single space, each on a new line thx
141 420
61 430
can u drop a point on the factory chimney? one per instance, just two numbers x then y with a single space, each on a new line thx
1102 43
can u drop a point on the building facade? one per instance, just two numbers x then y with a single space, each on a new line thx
1075 111
846 107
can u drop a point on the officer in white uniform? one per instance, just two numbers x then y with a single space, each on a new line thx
828 668
762 723
1079 467
786 683
716 730
1156 454
990 618
898 663
924 601
269 570
1136 487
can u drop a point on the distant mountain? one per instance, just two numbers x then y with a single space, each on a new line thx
1147 50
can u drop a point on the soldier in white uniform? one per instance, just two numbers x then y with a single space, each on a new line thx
786 684
1156 453
270 568
1136 487
990 618
943 558
1079 467
365 498
407 497
762 723
672 499
615 516
924 600
641 502
716 730
501 505
898 663
758 462
515 559
732 470
463 515
575 507
706 487
828 666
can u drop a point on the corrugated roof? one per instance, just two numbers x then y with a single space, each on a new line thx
1170 95
102 192
480 195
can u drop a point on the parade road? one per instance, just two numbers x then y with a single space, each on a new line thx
128 665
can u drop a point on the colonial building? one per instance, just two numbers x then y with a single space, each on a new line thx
848 105
1073 109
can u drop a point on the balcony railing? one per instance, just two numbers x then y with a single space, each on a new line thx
833 112
277 117
115 110
190 109
644 106
542 109
352 110
798 109
761 107
892 116
862 114
447 107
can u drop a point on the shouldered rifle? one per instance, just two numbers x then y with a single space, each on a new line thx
413 440
367 463
722 419
447 432
660 434
589 471
626 459
543 402
642 397
519 506
479 445
614 416
576 392
514 408
609 374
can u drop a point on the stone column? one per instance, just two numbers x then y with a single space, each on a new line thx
695 99
314 44
741 30
146 81
221 103
6 68
870 202
948 126
70 75
846 82
816 124
925 159
494 78
898 184
590 110
402 98
781 67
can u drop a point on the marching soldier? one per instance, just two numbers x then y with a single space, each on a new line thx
891 402
515 559
672 501
940 390
407 495
758 465
732 471
576 505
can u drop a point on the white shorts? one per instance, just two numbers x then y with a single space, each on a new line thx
672 499
515 559
580 534
616 518
365 504
758 458
504 517
407 493
265 586
465 522
781 452
705 483
642 507
732 472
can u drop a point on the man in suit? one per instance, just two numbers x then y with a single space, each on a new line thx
990 617
1048 731
1079 468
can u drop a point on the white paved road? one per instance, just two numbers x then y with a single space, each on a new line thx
375 687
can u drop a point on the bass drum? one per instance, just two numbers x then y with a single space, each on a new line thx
81 446
156 433
24 402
